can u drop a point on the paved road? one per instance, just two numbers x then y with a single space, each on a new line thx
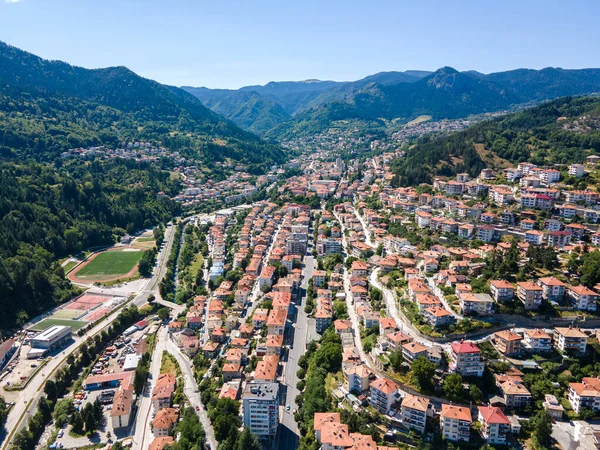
366 230
34 390
288 433
191 391
141 432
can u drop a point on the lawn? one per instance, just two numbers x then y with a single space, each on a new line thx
145 239
47 323
109 264
68 266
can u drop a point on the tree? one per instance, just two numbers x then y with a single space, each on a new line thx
50 390
62 411
163 313
139 379
247 441
453 387
422 371
151 299
475 393
396 360
542 429
77 423
90 421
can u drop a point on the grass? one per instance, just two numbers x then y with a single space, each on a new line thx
47 323
68 266
168 364
67 314
111 263
196 265
145 239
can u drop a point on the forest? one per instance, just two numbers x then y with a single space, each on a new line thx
47 213
559 132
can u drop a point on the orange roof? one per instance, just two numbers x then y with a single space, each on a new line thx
537 334
384 385
122 403
464 347
415 402
165 418
508 335
571 332
160 442
267 368
438 312
501 284
493 415
551 281
398 337
529 286
414 348
274 340
322 419
456 412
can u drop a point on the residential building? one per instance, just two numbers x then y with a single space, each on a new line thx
507 342
537 341
570 340
455 423
465 359
261 408
530 294
414 412
502 290
583 298
384 393
495 426
552 288
585 394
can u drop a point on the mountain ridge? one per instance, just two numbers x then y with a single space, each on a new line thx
387 95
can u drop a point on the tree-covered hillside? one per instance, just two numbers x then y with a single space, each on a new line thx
559 132
49 106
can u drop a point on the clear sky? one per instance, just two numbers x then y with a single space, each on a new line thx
229 44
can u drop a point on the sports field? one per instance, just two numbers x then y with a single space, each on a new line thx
47 323
109 265
66 314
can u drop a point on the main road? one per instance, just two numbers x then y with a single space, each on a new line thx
288 433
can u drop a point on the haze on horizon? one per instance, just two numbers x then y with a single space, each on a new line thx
231 44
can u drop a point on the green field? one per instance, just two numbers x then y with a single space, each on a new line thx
67 314
145 239
47 323
109 264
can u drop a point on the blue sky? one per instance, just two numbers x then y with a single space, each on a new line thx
229 44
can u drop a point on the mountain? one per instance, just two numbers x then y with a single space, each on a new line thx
108 105
562 131
260 108
445 93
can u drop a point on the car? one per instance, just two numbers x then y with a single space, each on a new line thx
287 408
197 408
60 433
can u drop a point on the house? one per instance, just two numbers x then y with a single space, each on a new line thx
359 269
481 304
274 345
265 280
266 369
164 421
513 390
507 342
495 426
465 359
319 278
160 442
502 290
585 394
534 237
414 412
357 378
530 294
552 288
537 341
276 321
231 371
570 340
553 407
583 298
455 422
412 351
438 317
120 414
384 393
386 325
396 340
163 391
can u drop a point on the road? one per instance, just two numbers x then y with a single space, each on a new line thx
141 432
34 390
365 228
191 391
288 433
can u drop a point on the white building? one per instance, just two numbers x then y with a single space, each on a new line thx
261 408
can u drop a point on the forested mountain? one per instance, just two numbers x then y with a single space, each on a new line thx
50 106
283 99
445 93
558 132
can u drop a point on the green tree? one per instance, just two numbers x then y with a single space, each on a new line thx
247 441
163 313
50 390
422 371
77 422
453 388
